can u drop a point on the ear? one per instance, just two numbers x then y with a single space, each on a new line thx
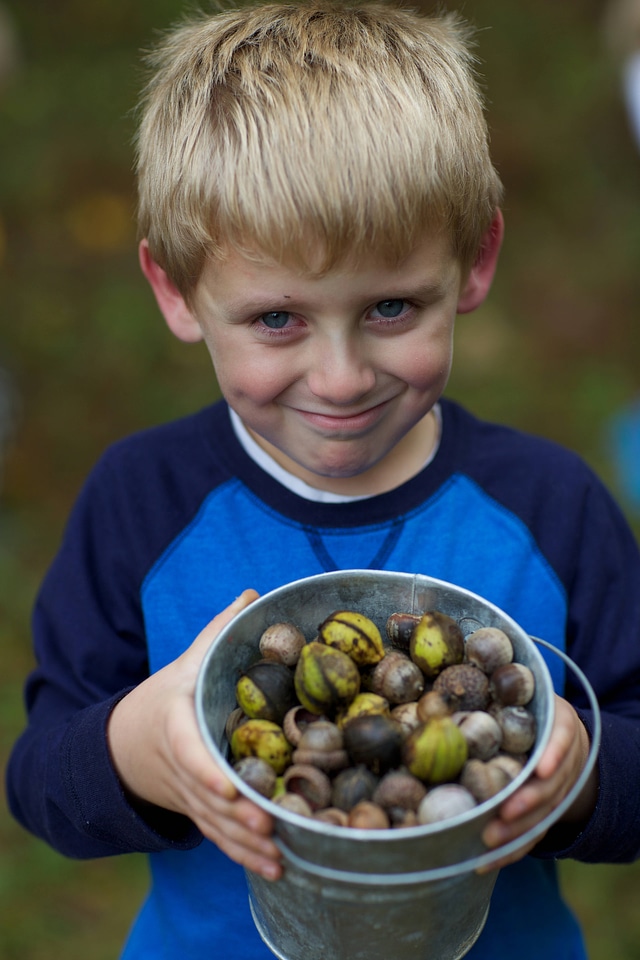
480 278
178 316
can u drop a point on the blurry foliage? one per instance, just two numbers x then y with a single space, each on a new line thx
554 350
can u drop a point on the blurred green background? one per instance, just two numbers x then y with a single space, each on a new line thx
556 350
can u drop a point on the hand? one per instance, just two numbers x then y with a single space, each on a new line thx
166 762
560 766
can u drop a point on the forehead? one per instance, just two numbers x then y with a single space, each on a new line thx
431 263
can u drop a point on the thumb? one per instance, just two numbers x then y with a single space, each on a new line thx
208 634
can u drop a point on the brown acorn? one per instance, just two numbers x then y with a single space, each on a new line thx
374 741
464 685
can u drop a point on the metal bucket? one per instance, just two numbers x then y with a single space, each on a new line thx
348 894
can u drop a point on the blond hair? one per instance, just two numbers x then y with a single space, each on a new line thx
288 128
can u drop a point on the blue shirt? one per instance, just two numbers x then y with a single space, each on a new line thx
175 522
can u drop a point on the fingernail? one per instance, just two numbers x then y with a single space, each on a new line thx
271 871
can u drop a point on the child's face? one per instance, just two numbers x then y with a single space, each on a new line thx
330 374
334 375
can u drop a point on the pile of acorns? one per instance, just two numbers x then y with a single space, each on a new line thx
355 733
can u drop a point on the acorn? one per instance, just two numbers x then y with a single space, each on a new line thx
375 741
464 685
399 789
294 803
436 751
257 774
354 634
282 642
332 815
512 685
322 745
445 801
484 779
399 627
363 704
367 815
481 731
235 718
296 720
399 817
518 726
488 648
326 680
264 739
308 782
396 678
435 703
436 643
352 785
511 764
406 714
265 691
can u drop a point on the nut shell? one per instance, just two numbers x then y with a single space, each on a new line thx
399 789
512 684
308 782
265 691
353 634
375 741
481 731
368 816
351 786
436 643
436 751
445 801
264 739
282 642
396 678
465 686
326 680
488 648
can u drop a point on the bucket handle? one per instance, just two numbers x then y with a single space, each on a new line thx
492 857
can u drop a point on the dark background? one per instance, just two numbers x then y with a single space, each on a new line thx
86 358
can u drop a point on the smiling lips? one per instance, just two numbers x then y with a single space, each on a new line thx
350 422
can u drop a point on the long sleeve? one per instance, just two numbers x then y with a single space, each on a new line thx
89 642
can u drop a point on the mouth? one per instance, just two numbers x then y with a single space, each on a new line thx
345 423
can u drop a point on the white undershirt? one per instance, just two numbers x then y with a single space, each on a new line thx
295 484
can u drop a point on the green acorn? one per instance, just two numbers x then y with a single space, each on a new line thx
436 751
353 634
436 643
265 691
326 680
264 739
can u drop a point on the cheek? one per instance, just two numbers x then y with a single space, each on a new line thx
427 367
246 378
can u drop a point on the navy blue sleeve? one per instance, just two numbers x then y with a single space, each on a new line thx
603 638
587 541
90 650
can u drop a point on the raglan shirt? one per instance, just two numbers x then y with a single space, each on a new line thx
176 521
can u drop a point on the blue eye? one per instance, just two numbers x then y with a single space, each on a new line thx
276 319
391 308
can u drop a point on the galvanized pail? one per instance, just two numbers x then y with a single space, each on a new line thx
409 893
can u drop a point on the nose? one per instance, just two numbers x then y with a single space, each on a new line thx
340 372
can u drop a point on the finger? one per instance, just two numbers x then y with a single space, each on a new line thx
565 739
511 858
189 758
498 831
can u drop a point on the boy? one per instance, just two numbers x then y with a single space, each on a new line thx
317 202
